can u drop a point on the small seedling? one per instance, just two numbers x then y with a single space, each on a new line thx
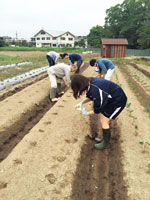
144 145
148 167
136 130
128 105
131 111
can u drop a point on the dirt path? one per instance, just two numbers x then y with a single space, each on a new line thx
56 160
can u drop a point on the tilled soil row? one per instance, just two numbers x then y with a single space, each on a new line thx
134 127
13 134
17 88
99 174
146 73
140 78
140 93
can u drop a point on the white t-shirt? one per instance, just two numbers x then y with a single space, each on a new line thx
61 70
53 55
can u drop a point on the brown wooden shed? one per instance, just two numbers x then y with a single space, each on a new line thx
113 47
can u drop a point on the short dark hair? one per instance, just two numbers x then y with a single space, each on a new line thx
79 84
92 62
63 55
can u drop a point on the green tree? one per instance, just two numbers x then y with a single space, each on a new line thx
125 21
80 43
95 35
144 31
113 22
24 43
3 43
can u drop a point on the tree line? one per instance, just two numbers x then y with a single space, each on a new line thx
130 20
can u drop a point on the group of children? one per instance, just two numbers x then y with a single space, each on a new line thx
108 98
57 72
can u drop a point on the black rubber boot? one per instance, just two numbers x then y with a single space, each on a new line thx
105 141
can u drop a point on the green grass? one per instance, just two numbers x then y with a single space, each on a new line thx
37 62
5 60
119 60
142 62
64 49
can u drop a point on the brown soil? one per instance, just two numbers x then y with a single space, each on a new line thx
145 72
24 53
141 94
47 152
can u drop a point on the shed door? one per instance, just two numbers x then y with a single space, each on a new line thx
108 52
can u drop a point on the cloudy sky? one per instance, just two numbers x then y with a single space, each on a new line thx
27 17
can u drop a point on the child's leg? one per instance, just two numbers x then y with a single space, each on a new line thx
79 63
106 133
53 84
58 88
51 61
104 121
109 74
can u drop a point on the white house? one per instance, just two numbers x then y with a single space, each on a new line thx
48 38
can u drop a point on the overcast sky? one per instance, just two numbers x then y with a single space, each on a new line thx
27 17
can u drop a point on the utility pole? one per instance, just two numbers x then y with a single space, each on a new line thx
16 35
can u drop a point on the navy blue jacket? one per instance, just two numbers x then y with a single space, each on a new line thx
74 57
104 92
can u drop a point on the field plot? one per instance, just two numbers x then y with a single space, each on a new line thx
46 152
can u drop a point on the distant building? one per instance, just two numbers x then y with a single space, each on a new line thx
10 39
48 38
113 47
6 38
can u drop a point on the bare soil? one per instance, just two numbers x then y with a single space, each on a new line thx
24 53
47 152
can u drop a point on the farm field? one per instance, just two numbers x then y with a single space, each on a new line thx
46 150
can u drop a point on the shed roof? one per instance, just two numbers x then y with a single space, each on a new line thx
114 41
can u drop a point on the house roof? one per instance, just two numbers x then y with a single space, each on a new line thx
114 41
54 33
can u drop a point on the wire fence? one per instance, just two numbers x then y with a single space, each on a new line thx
129 52
138 52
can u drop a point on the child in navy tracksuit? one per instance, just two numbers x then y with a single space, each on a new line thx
73 57
108 98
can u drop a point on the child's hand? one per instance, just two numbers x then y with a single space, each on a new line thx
84 112
79 105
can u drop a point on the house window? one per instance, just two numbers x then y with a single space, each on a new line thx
54 45
42 32
54 38
62 45
43 38
70 38
63 38
38 38
32 39
48 38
